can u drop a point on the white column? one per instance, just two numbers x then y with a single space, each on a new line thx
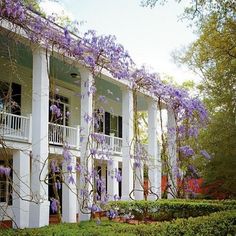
128 133
39 208
154 168
21 187
171 140
86 126
139 182
112 183
103 178
69 191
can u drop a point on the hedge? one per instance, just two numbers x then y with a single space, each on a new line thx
163 210
215 224
219 223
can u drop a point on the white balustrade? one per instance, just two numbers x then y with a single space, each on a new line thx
14 126
60 134
113 144
117 145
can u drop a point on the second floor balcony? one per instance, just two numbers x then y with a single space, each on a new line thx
19 128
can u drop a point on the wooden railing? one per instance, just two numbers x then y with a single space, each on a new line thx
15 127
61 134
112 143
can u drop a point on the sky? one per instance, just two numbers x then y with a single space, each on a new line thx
149 35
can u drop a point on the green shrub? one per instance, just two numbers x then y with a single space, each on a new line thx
163 210
219 223
215 224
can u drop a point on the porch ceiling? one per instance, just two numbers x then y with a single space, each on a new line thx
14 51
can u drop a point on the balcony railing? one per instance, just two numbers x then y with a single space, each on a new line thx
113 144
15 127
61 134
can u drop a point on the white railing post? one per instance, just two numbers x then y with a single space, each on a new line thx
64 140
112 135
30 128
77 137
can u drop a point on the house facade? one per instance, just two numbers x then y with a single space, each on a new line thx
33 80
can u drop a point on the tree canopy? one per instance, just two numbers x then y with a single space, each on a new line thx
213 57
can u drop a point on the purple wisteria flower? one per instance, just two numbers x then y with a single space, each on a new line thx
205 154
58 185
111 214
69 168
54 166
54 205
71 180
5 171
102 99
118 175
55 110
66 154
186 151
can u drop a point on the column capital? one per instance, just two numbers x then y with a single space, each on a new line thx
40 50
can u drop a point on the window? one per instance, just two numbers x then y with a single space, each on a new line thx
108 124
63 104
4 96
114 125
98 121
10 97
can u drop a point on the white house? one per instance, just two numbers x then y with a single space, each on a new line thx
30 138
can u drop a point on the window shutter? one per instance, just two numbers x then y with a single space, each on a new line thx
120 127
107 123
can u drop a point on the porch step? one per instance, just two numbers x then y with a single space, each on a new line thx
53 219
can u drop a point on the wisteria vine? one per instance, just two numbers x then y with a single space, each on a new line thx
98 53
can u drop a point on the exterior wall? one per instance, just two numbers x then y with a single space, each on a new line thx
22 76
72 93
111 106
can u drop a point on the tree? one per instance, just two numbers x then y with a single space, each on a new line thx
34 4
200 9
213 56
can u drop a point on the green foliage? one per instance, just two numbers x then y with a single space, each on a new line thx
196 9
34 4
219 223
213 55
162 210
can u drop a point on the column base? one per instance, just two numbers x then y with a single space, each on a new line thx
39 214
126 198
21 213
139 195
152 197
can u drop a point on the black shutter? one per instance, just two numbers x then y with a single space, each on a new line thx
120 127
99 190
107 123
16 97
120 184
